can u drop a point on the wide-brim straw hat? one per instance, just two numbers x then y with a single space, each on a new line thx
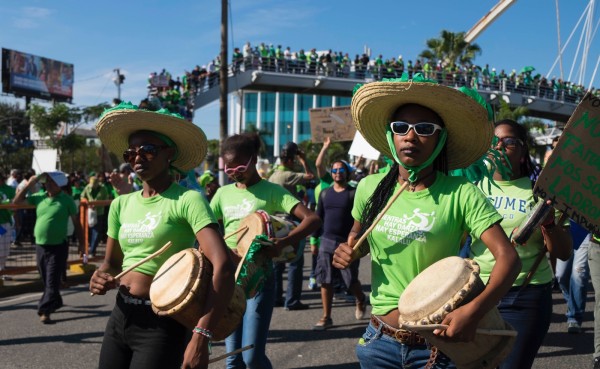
117 124
469 128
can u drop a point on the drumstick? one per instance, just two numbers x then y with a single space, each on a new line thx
144 260
230 353
385 209
236 232
484 331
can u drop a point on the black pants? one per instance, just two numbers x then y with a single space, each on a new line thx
51 262
135 337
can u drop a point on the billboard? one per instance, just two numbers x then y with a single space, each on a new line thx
35 76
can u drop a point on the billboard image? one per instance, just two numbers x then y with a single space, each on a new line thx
35 76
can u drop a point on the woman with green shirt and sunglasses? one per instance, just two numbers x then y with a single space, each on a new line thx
155 144
428 129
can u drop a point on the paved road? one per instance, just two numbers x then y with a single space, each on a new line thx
74 340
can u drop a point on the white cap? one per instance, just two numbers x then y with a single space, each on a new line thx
60 178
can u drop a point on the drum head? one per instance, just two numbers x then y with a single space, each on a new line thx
434 287
176 278
256 226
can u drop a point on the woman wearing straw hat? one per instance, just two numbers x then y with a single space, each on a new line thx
428 129
231 204
154 143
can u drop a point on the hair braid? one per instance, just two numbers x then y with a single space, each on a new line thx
379 198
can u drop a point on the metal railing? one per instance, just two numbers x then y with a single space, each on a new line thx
22 256
369 73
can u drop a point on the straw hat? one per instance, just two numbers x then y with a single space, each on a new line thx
468 123
117 124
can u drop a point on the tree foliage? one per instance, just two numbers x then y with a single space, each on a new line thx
451 49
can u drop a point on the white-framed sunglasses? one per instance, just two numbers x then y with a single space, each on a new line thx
422 128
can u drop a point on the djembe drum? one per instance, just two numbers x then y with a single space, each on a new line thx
439 290
179 291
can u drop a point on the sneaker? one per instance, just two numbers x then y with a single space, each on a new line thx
45 319
361 307
323 324
312 284
297 306
597 363
574 327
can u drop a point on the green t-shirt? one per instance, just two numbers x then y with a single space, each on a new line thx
513 200
76 192
95 194
324 183
53 215
231 204
143 225
7 193
419 229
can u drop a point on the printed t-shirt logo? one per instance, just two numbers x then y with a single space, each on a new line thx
407 228
238 211
141 230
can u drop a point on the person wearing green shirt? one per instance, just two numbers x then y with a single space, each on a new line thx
527 307
53 209
7 193
231 204
157 144
428 129
94 191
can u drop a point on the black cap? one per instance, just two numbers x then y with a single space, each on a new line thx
289 150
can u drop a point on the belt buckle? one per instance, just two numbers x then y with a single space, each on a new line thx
401 337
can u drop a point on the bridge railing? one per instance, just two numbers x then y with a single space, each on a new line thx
369 73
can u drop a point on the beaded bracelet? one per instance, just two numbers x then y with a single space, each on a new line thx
206 333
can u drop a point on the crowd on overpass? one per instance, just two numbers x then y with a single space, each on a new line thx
340 64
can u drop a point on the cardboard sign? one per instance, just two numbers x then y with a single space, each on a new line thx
44 160
571 178
335 123
360 147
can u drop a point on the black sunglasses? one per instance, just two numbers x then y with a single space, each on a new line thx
147 152
510 142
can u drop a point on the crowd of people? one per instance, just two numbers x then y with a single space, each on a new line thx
408 212
267 57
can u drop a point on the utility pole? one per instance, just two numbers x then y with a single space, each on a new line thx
119 79
223 86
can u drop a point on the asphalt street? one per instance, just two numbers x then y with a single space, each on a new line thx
74 340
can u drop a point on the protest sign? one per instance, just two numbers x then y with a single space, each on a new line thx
570 178
360 147
335 123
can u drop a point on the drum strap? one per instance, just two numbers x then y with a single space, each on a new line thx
432 356
534 267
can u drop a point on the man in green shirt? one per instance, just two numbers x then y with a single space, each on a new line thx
94 191
53 209
6 222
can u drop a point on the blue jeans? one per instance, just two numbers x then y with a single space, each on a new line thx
379 351
594 265
253 329
529 312
294 288
572 276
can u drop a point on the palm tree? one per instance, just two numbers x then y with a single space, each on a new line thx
451 48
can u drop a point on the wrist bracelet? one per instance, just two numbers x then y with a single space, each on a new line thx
206 333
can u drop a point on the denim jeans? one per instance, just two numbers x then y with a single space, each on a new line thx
572 276
594 264
529 312
136 338
253 329
51 263
379 351
294 288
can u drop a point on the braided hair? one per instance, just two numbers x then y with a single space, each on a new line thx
527 166
385 188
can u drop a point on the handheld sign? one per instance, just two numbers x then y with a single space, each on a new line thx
360 147
335 123
570 178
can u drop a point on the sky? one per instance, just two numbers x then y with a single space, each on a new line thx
140 37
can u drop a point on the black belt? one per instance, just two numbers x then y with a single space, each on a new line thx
404 337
